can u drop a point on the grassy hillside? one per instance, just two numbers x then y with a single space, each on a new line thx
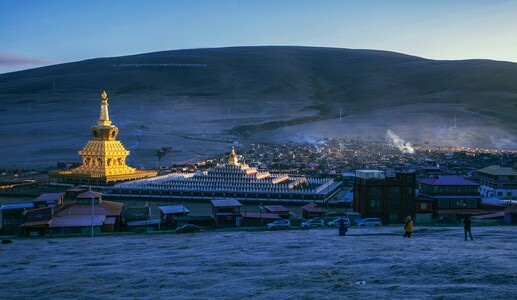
243 93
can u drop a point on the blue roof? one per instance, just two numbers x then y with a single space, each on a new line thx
173 209
16 206
227 202
448 180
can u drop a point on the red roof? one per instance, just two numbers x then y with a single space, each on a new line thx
448 180
115 207
89 195
106 208
312 207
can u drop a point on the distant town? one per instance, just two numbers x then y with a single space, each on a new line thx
261 185
334 157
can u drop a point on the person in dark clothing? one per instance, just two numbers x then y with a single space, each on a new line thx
467 224
342 227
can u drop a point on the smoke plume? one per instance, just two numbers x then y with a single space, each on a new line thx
404 147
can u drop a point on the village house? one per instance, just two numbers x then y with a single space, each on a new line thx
312 210
87 211
169 213
497 181
12 216
226 212
452 196
390 198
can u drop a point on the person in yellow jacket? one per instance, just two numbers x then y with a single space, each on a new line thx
408 227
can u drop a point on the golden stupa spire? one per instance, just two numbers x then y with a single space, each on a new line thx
104 130
233 161
104 118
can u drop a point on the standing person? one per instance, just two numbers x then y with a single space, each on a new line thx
342 227
467 224
408 227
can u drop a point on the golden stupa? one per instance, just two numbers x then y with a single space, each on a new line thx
232 160
103 158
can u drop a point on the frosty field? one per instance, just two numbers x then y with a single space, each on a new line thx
367 263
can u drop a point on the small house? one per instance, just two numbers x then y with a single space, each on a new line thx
89 211
12 216
49 200
226 211
312 210
169 213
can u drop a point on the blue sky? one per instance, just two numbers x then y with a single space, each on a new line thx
42 32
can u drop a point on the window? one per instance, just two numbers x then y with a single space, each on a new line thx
394 191
375 191
394 202
394 215
375 203
423 206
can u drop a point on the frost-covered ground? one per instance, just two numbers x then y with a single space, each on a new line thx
368 263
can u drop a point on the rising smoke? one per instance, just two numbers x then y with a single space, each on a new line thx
404 147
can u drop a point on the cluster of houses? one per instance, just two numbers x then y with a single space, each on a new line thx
436 199
84 212
390 197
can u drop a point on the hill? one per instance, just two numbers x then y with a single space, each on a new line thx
200 101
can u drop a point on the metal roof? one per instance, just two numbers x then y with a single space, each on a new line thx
498 171
448 180
173 209
49 197
276 208
89 195
312 207
17 206
230 202
105 208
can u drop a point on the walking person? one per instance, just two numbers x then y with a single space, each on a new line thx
467 224
408 227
